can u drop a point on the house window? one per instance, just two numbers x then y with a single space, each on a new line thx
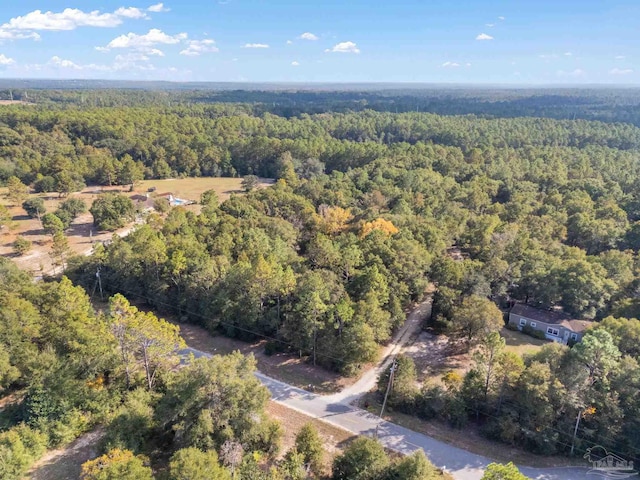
523 322
574 336
553 331
533 324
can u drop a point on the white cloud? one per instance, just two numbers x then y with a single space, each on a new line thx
484 36
145 42
620 71
548 55
490 25
158 7
198 47
5 61
295 64
17 35
344 47
69 19
500 18
568 54
27 25
289 42
450 65
308 36
130 12
467 64
60 63
255 45
620 57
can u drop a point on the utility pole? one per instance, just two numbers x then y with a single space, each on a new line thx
386 395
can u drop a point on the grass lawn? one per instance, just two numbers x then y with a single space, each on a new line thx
191 188
520 343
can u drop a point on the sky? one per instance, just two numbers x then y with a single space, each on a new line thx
427 41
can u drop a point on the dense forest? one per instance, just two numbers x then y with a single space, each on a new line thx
66 369
288 100
362 218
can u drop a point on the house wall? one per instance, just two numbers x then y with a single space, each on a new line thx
541 326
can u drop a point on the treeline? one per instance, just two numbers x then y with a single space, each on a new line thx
603 104
558 400
114 145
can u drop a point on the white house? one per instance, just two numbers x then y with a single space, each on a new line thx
556 325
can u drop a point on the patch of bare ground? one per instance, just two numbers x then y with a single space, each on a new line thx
334 439
66 463
434 355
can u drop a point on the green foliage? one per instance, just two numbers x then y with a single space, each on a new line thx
112 211
117 465
474 318
249 182
161 205
413 467
52 224
133 423
309 446
17 192
21 246
186 408
44 184
496 471
20 447
404 390
532 332
194 464
363 459
34 207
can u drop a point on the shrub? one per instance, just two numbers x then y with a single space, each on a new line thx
34 207
21 246
20 447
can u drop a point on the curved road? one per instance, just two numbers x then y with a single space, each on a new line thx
461 464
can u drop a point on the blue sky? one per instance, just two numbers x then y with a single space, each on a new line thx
464 41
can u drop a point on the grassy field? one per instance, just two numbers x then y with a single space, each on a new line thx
191 188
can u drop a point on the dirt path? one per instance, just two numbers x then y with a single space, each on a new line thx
409 332
65 463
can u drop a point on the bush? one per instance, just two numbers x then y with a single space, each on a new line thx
75 206
20 447
21 246
52 224
512 327
364 459
34 207
532 332
161 205
45 184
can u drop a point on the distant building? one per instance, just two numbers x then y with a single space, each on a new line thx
555 325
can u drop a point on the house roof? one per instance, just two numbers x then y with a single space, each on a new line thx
550 317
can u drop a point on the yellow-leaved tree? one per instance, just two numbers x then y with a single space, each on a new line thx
380 224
